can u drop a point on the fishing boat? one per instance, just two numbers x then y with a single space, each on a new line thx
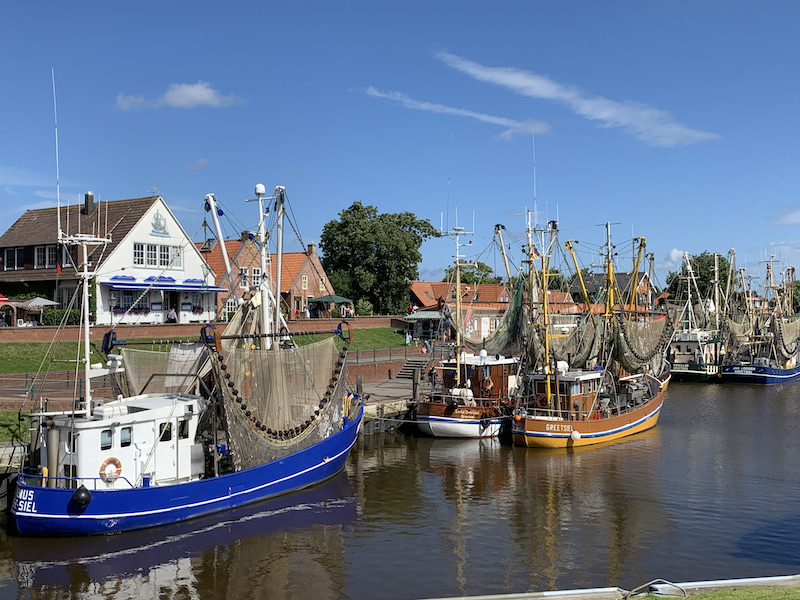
600 380
765 341
473 399
472 392
234 418
697 350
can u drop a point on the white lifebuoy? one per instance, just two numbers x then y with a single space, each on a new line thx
110 469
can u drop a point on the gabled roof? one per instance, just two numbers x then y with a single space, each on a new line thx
427 293
245 254
114 219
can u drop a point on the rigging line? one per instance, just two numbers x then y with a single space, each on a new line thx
58 184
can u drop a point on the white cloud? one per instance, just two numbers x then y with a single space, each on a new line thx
671 262
511 126
651 125
179 95
198 165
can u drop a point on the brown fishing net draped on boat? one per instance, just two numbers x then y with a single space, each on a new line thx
277 397
151 371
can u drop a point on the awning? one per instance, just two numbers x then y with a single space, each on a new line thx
423 315
3 298
128 282
331 298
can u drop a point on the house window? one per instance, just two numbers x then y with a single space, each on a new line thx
163 256
52 257
105 439
304 284
152 255
14 259
256 276
177 258
125 437
138 254
321 285
243 281
230 306
41 257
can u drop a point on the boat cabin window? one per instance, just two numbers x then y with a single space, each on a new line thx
487 371
183 430
105 439
166 432
72 442
125 437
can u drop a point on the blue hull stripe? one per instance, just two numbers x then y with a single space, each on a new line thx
184 501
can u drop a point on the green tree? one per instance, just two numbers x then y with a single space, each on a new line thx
474 273
370 256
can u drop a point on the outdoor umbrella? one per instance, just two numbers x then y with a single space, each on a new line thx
332 298
37 303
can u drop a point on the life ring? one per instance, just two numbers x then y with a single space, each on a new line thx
488 385
110 469
542 401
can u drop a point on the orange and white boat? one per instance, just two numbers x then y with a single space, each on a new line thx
615 382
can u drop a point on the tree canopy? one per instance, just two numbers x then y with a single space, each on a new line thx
370 256
475 273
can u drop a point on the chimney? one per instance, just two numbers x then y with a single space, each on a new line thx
88 203
312 250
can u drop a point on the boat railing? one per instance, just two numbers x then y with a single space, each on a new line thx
37 479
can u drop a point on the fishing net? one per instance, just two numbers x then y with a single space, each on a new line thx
278 397
152 371
507 338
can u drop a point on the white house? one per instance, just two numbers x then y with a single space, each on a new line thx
149 265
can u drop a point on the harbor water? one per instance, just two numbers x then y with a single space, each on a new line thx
713 492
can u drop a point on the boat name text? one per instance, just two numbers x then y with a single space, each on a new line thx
558 427
25 501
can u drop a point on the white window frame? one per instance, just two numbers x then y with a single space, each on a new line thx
151 255
176 257
138 254
304 282
256 276
40 257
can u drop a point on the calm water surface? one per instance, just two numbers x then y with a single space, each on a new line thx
712 492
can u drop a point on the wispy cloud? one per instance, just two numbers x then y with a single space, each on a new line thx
179 95
789 216
198 165
11 176
511 126
649 124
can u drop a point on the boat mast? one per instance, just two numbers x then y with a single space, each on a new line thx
280 198
456 234
211 206
83 241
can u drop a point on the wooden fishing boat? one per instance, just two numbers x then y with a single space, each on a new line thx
603 381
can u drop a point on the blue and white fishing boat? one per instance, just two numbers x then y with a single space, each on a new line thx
766 339
208 427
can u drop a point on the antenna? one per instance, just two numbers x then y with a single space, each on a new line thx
58 186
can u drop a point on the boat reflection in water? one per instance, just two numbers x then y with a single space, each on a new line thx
563 518
287 547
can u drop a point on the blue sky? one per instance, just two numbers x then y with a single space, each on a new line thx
676 121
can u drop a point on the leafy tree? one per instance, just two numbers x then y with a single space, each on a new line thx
475 273
703 269
370 256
